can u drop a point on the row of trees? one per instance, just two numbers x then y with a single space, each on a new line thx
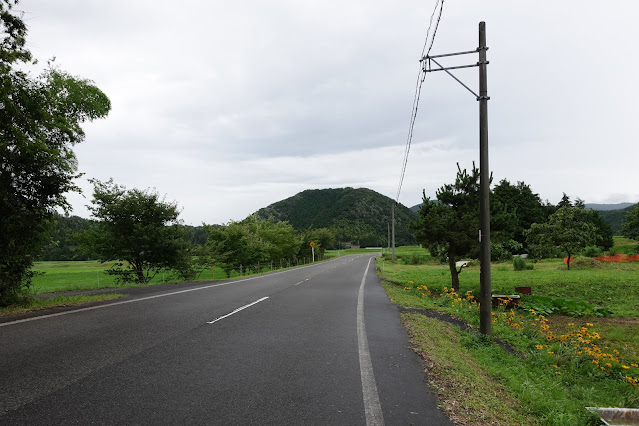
141 230
520 223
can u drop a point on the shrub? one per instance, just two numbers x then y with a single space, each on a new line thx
592 251
519 263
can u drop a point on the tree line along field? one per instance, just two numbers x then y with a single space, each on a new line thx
590 359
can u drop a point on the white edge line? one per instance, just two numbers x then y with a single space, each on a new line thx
237 310
372 406
124 302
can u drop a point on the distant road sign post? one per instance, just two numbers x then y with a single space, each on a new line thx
313 249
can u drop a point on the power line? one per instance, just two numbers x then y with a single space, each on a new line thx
421 76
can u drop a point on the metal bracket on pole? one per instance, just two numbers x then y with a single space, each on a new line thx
427 67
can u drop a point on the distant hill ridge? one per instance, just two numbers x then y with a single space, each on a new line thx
607 207
358 215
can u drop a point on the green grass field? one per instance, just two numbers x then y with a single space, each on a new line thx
87 275
551 380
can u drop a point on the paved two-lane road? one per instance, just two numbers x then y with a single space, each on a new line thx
314 345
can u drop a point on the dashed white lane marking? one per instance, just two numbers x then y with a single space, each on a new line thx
155 296
237 310
302 282
372 406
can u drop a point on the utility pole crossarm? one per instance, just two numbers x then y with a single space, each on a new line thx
451 74
427 67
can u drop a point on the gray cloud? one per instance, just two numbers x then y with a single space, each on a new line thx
230 106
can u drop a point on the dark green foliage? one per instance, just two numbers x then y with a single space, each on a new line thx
603 229
68 238
448 227
243 245
519 263
559 305
360 216
195 235
66 243
139 229
569 229
40 122
630 227
592 251
564 202
615 218
504 250
323 238
525 204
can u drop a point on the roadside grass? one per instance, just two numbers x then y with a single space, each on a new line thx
58 302
554 376
466 391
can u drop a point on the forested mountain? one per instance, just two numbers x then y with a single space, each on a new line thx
355 215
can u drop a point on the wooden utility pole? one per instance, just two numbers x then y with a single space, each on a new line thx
485 292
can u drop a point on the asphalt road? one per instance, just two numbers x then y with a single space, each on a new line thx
313 345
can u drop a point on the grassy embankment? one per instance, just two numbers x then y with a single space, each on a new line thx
575 345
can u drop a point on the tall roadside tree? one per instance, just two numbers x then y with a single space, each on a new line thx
448 226
568 229
139 228
40 122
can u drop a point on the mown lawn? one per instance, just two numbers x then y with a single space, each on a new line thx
557 365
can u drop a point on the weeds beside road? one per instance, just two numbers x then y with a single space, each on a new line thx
558 363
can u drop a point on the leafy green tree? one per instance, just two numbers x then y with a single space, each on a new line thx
40 121
280 239
603 231
630 226
139 228
244 244
231 246
323 239
448 226
568 228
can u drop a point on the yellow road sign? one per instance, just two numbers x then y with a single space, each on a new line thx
312 244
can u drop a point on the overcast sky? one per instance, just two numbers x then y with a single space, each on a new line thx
229 106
